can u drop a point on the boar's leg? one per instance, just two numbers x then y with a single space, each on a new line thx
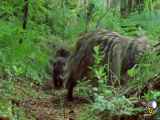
70 93
116 61
70 86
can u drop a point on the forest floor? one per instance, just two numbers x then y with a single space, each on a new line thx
51 105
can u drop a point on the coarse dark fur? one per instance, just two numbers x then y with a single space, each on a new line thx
60 60
120 53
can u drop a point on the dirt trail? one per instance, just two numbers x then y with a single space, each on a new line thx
53 107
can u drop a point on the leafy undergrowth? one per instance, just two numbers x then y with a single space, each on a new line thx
26 101
12 93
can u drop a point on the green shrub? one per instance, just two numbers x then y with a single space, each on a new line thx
21 54
147 68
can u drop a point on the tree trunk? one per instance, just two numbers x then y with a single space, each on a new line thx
128 6
25 16
112 3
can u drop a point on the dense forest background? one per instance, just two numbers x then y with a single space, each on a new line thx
32 30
